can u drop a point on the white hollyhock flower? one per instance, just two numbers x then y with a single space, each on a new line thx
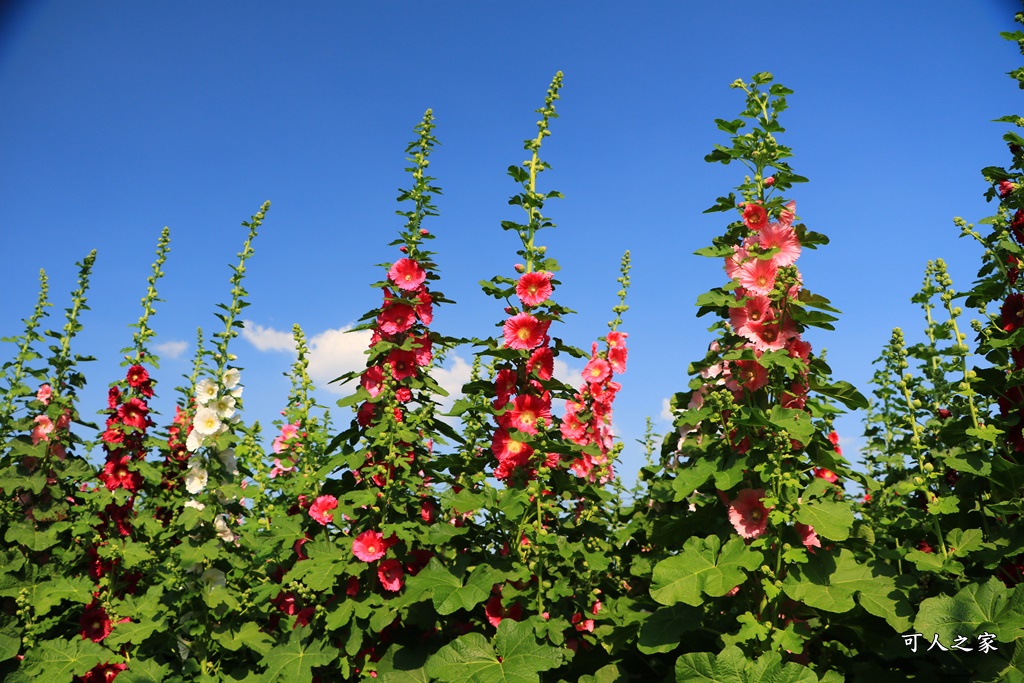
214 578
194 441
206 422
231 378
224 405
237 392
195 504
205 390
196 478
220 525
227 457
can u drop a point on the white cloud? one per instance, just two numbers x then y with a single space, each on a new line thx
451 376
666 410
335 352
567 374
267 338
171 349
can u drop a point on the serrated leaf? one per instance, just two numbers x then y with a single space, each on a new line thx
830 519
447 592
295 660
57 661
703 566
977 607
144 671
703 667
516 657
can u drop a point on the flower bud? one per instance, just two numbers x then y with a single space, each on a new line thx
404 249
520 268
769 181
424 232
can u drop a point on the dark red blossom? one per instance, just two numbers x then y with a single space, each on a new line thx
95 623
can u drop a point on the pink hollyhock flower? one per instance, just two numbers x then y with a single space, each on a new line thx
771 335
573 429
369 546
597 370
1006 188
768 182
428 511
754 216
543 361
505 385
746 375
523 331
407 274
798 348
373 380
44 394
1012 312
290 431
403 364
755 309
424 354
396 318
42 430
403 395
279 468
788 214
390 573
784 238
834 439
534 288
617 339
758 276
808 536
733 263
424 306
320 509
527 410
748 514
582 624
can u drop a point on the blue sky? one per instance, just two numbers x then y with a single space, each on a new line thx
119 118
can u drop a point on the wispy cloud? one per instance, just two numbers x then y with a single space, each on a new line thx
171 349
267 338
666 410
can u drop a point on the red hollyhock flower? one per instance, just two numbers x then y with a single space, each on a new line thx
368 546
523 331
320 509
746 375
495 612
304 616
286 602
113 398
396 318
754 216
1006 188
118 474
390 573
133 413
534 288
403 364
617 359
95 623
505 448
407 274
597 370
826 474
1012 312
424 353
137 376
505 385
373 379
365 415
833 438
103 673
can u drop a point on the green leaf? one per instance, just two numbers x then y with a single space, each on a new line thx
796 422
830 582
446 590
516 657
248 635
294 661
703 566
144 671
57 661
830 519
703 667
52 592
844 392
662 631
976 608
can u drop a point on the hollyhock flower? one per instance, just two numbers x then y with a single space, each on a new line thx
133 413
304 616
788 214
523 331
206 422
42 430
573 429
1006 188
352 586
527 411
424 353
44 394
365 415
496 612
798 348
403 364
505 385
195 504
543 361
113 398
117 474
768 182
220 527
396 318
826 474
205 391
194 441
808 536
103 673
231 378
597 370
319 510
748 514
279 468
834 439
95 623
505 448
746 375
137 376
534 288
732 263
582 624
424 307
754 216
784 238
617 359
1012 312
771 335
196 478
403 394
390 573
407 274
756 309
758 276
224 406
368 546
230 462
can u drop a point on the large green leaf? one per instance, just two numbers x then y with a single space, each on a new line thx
976 608
57 661
294 660
703 566
704 667
144 671
446 590
830 519
830 582
516 657
663 630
